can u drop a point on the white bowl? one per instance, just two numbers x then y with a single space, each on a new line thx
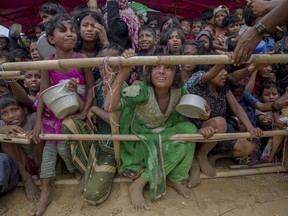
191 105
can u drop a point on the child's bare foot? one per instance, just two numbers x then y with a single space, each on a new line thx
194 176
43 203
181 189
205 166
32 191
136 193
2 209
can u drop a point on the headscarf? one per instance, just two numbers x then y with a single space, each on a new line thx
130 18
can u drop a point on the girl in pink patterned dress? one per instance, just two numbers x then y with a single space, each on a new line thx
61 33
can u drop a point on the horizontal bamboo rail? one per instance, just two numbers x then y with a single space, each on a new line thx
12 77
10 73
141 60
219 174
176 137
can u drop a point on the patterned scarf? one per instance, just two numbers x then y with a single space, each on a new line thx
129 17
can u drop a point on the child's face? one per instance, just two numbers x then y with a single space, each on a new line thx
162 76
34 51
165 25
196 27
153 24
32 80
4 90
174 42
233 29
185 26
218 18
110 53
238 93
205 40
14 115
220 79
88 29
239 12
3 43
64 39
146 40
189 50
269 95
46 17
265 73
38 32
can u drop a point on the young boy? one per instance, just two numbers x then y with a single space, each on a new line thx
14 119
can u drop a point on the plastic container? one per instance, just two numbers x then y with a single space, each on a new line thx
191 105
60 100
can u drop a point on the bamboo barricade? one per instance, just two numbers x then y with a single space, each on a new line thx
11 75
176 137
140 60
219 174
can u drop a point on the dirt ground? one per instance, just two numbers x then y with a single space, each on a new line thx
250 195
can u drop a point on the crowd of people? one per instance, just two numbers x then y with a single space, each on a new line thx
240 97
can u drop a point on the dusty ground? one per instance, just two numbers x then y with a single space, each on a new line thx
251 195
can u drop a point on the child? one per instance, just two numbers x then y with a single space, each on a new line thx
231 25
185 27
191 48
196 26
61 33
149 107
98 177
16 120
213 88
33 47
173 38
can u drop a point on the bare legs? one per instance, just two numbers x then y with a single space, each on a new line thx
45 198
201 161
14 151
136 193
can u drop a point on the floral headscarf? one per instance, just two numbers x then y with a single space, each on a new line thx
130 18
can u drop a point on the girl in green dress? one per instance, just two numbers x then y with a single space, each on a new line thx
148 108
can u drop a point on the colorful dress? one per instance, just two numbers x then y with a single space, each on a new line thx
155 157
52 125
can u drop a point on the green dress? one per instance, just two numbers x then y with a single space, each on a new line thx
155 157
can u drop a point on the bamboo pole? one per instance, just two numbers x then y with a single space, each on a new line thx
276 141
176 137
252 167
14 140
140 60
10 73
221 174
12 77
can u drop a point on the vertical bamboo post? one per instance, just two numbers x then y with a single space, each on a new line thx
277 140
92 4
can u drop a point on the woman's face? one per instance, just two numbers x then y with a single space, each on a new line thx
88 31
189 50
146 40
162 76
218 18
45 17
165 25
269 95
174 42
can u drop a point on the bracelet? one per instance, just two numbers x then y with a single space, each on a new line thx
274 108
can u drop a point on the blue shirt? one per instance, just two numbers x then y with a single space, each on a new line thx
247 102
